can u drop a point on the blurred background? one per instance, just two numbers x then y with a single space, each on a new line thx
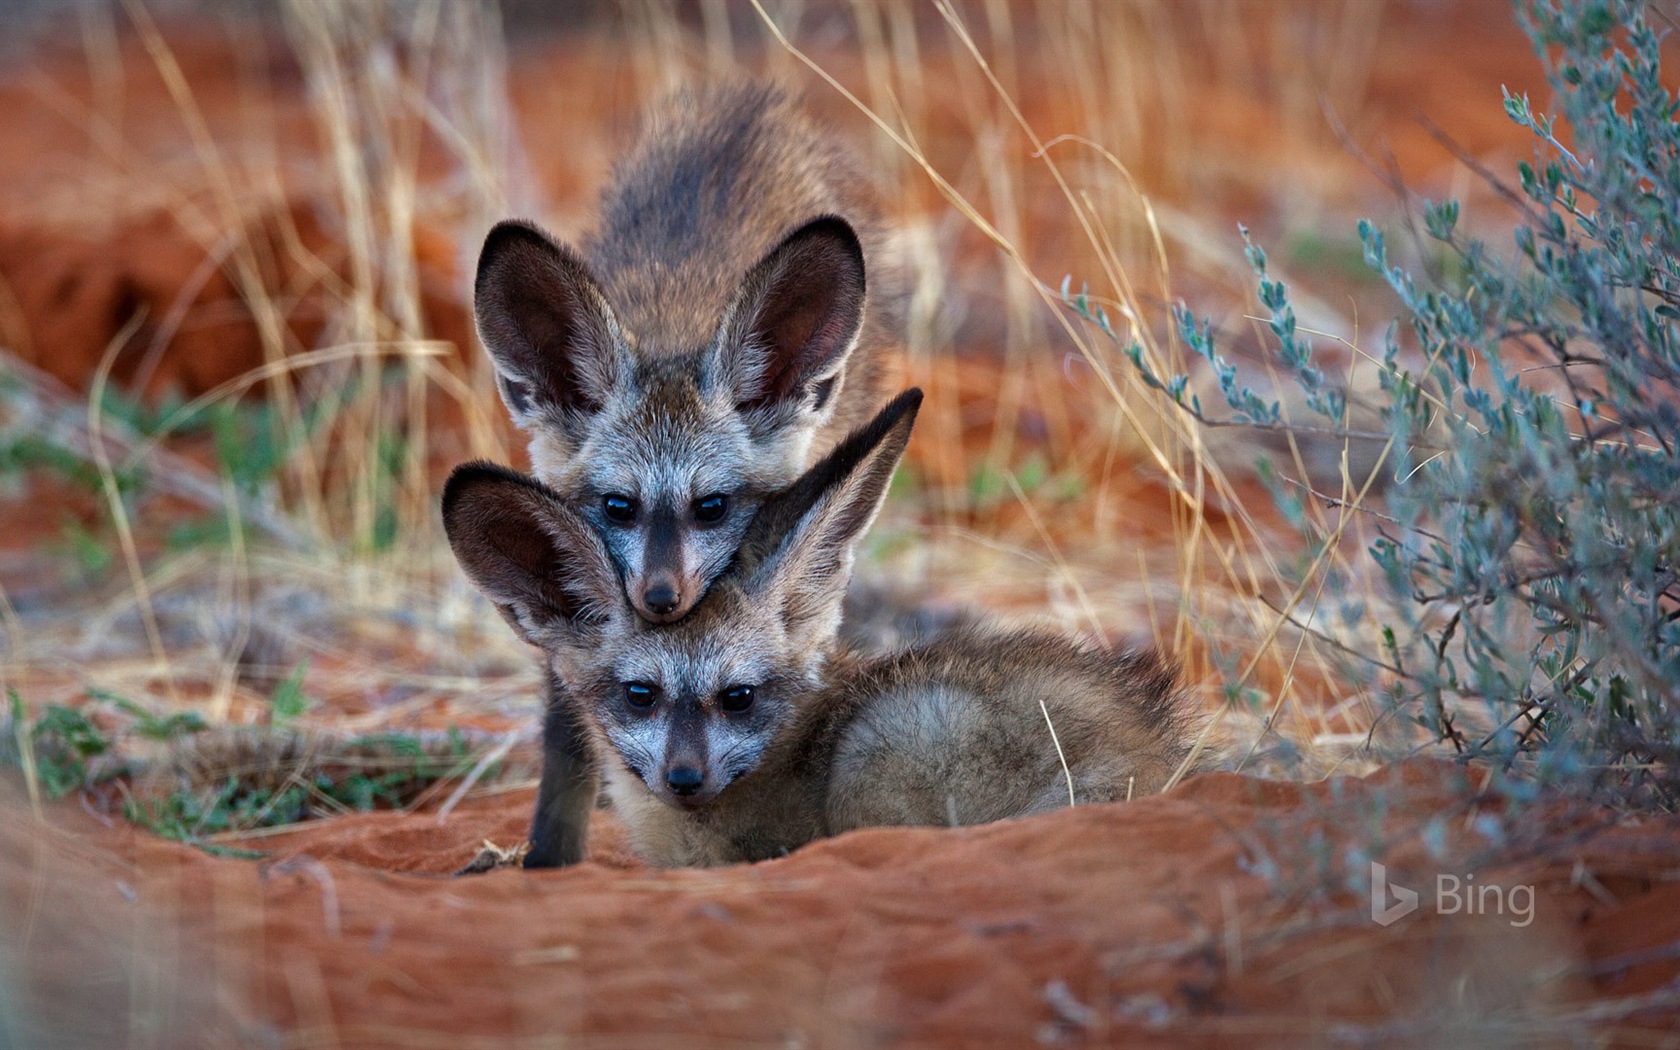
235 242
236 353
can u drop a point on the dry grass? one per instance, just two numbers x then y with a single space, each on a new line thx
1233 606
1014 146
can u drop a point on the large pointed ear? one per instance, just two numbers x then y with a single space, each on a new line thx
797 316
536 559
799 549
548 328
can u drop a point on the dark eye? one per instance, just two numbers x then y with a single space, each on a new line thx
736 698
620 509
711 508
640 695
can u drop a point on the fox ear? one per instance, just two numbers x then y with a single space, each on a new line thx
548 328
794 321
529 553
799 549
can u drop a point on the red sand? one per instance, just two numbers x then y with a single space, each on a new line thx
1230 908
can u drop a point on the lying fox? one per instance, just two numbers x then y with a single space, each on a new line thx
746 730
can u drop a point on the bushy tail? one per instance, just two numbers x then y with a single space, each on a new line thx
1165 711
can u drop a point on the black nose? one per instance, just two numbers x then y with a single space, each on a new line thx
660 598
684 780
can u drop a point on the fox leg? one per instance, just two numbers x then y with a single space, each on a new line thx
570 781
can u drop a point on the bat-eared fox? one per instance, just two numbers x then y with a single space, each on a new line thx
721 329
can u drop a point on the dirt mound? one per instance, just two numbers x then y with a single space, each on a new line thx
1229 908
205 315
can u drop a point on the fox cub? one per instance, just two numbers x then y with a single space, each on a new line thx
712 338
746 730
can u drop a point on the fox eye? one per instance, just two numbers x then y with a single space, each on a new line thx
620 509
736 698
711 508
640 695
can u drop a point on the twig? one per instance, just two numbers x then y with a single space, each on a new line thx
1338 502
1331 641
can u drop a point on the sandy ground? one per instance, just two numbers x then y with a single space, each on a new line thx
1230 909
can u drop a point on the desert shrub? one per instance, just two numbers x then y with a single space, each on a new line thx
1531 538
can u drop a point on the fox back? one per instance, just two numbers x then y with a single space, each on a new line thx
985 723
724 326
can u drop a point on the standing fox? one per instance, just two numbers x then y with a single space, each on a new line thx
745 730
713 337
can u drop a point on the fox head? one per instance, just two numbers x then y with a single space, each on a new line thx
668 450
688 707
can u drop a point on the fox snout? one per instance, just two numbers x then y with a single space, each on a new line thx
662 596
687 776
657 549
686 782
